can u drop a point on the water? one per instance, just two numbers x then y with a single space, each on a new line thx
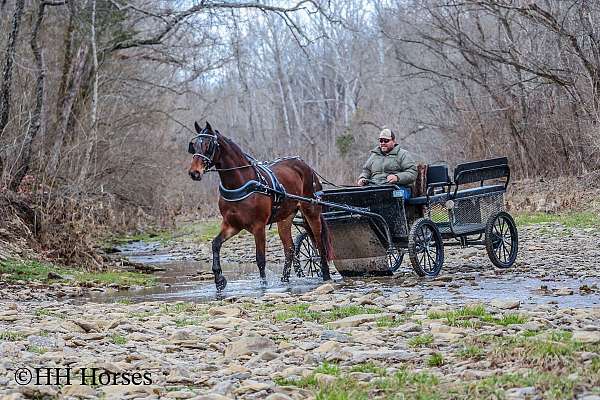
183 279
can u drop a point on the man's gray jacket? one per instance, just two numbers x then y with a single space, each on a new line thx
397 162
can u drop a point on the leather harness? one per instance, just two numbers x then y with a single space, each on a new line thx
266 183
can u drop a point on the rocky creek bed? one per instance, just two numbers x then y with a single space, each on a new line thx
530 332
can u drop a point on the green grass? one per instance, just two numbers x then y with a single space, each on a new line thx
36 271
45 312
470 351
368 367
328 368
551 385
118 339
389 322
301 311
410 385
552 350
10 336
435 360
181 322
421 340
474 316
178 308
583 219
36 349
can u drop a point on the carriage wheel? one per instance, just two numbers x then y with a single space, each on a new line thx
501 239
307 261
394 259
425 248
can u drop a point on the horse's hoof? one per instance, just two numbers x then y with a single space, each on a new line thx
285 279
221 283
326 278
264 283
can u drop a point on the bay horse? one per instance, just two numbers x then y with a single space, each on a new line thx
253 210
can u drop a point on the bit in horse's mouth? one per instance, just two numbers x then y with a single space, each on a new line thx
196 176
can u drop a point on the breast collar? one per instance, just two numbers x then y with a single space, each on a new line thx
266 184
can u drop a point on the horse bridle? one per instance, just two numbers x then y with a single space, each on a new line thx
212 148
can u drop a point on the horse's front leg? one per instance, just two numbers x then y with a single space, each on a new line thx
227 232
284 228
260 240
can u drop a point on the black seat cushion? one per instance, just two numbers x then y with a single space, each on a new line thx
437 174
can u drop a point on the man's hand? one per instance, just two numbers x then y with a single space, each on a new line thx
361 182
392 178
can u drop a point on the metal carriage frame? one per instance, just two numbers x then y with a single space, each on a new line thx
374 226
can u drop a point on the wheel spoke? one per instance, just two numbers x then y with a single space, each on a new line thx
431 262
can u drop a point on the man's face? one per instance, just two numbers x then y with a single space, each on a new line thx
386 145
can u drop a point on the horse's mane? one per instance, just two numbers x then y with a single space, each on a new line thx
235 147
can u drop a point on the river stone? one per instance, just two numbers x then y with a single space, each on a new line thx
321 307
249 345
368 338
118 392
225 322
397 308
278 396
71 327
441 328
563 292
506 304
361 376
44 341
225 311
357 320
447 336
325 379
328 347
87 326
79 391
334 335
520 393
387 355
179 394
179 375
587 336
250 386
324 289
409 327
217 338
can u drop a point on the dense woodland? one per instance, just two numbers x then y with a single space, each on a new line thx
98 97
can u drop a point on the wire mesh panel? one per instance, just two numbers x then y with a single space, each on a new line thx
476 210
438 213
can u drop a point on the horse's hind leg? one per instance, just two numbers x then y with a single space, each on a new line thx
313 218
260 240
227 232
284 228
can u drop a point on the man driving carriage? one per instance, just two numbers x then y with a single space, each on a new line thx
389 164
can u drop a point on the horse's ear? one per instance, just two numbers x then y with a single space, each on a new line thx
208 127
198 129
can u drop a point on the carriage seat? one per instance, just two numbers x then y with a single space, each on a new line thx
438 182
432 179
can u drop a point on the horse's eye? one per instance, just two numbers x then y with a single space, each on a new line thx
191 149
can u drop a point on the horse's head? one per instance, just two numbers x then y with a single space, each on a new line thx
204 147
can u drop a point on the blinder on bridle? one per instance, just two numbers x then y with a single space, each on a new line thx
195 147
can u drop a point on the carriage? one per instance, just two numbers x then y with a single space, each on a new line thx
373 227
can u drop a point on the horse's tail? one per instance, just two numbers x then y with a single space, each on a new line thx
326 239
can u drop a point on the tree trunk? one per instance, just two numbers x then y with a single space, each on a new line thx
65 116
36 116
8 68
94 112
